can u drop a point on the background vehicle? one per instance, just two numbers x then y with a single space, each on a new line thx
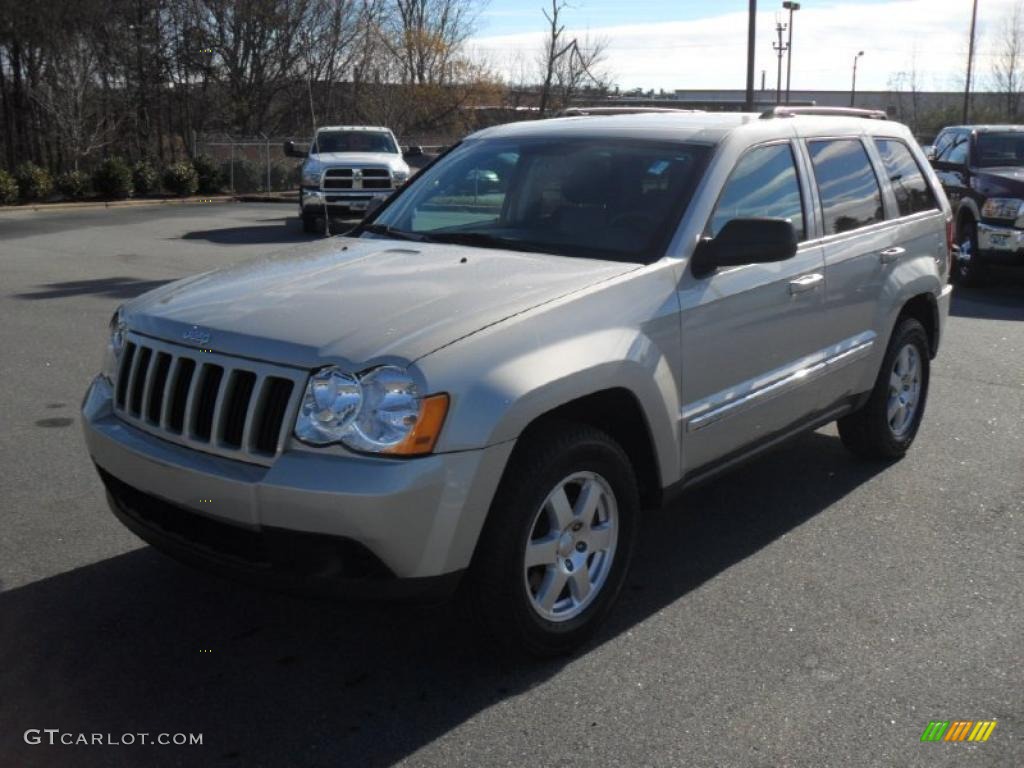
487 386
981 168
346 168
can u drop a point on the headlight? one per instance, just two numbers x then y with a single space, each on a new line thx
1003 208
116 331
400 177
377 411
311 177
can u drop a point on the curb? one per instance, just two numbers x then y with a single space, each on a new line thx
118 203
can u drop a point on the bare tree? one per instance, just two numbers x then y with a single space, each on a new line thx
427 36
1008 60
907 83
566 65
66 96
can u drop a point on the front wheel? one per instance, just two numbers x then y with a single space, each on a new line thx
886 425
558 541
966 269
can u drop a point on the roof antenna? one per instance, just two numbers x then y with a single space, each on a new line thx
316 149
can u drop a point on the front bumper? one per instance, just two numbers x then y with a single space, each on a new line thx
343 519
312 201
999 245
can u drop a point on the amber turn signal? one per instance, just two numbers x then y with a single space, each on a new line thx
424 435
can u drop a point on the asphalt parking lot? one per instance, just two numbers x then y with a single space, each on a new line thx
806 610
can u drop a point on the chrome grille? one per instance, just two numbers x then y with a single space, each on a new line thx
229 406
356 178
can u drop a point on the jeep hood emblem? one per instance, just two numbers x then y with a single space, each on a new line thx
196 335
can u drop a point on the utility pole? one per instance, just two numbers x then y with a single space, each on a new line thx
791 7
780 49
970 62
764 74
853 87
751 30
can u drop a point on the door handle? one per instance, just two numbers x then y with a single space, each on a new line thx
891 254
806 283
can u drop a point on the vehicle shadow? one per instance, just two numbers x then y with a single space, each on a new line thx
137 643
113 287
284 230
999 300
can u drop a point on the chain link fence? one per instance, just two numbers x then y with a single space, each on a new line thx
252 164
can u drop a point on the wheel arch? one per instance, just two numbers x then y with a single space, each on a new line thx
925 309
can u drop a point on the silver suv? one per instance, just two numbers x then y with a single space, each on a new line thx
556 325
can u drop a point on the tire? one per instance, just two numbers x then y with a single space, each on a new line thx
967 273
551 472
310 225
885 427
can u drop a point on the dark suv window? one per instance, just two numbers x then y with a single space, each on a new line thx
763 184
849 191
913 194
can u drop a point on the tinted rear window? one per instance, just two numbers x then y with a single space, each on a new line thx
850 196
913 194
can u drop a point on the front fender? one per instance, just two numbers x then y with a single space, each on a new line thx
622 335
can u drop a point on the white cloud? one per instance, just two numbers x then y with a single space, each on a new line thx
711 52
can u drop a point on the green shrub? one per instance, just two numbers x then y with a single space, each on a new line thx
210 179
181 179
145 178
113 178
248 176
34 183
8 189
285 175
73 185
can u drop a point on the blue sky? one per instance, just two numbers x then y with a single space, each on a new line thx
670 44
503 17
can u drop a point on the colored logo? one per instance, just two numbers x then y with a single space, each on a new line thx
958 730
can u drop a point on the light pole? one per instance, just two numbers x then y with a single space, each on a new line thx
853 87
970 64
791 7
780 49
751 30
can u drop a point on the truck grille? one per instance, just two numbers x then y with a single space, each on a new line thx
356 178
232 407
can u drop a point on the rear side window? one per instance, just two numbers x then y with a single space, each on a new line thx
849 191
913 194
763 185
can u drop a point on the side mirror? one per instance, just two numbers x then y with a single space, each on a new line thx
413 151
929 152
744 241
291 149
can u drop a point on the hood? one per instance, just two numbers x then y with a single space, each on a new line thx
357 159
356 301
1007 181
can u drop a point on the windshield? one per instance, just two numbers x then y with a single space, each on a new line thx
597 198
354 141
1000 149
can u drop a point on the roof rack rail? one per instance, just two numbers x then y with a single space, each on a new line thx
870 114
594 111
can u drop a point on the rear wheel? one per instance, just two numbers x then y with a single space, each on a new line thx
886 425
558 541
310 225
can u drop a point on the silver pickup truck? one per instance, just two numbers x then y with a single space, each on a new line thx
347 170
556 325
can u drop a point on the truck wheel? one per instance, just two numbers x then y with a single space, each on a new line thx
886 425
967 272
310 225
558 540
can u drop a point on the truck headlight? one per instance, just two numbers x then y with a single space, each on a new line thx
378 411
311 177
1004 208
400 177
116 331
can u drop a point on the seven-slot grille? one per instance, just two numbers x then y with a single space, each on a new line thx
230 406
356 178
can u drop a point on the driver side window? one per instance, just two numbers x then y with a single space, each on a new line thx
763 184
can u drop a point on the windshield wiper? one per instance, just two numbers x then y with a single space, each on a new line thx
398 234
481 240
